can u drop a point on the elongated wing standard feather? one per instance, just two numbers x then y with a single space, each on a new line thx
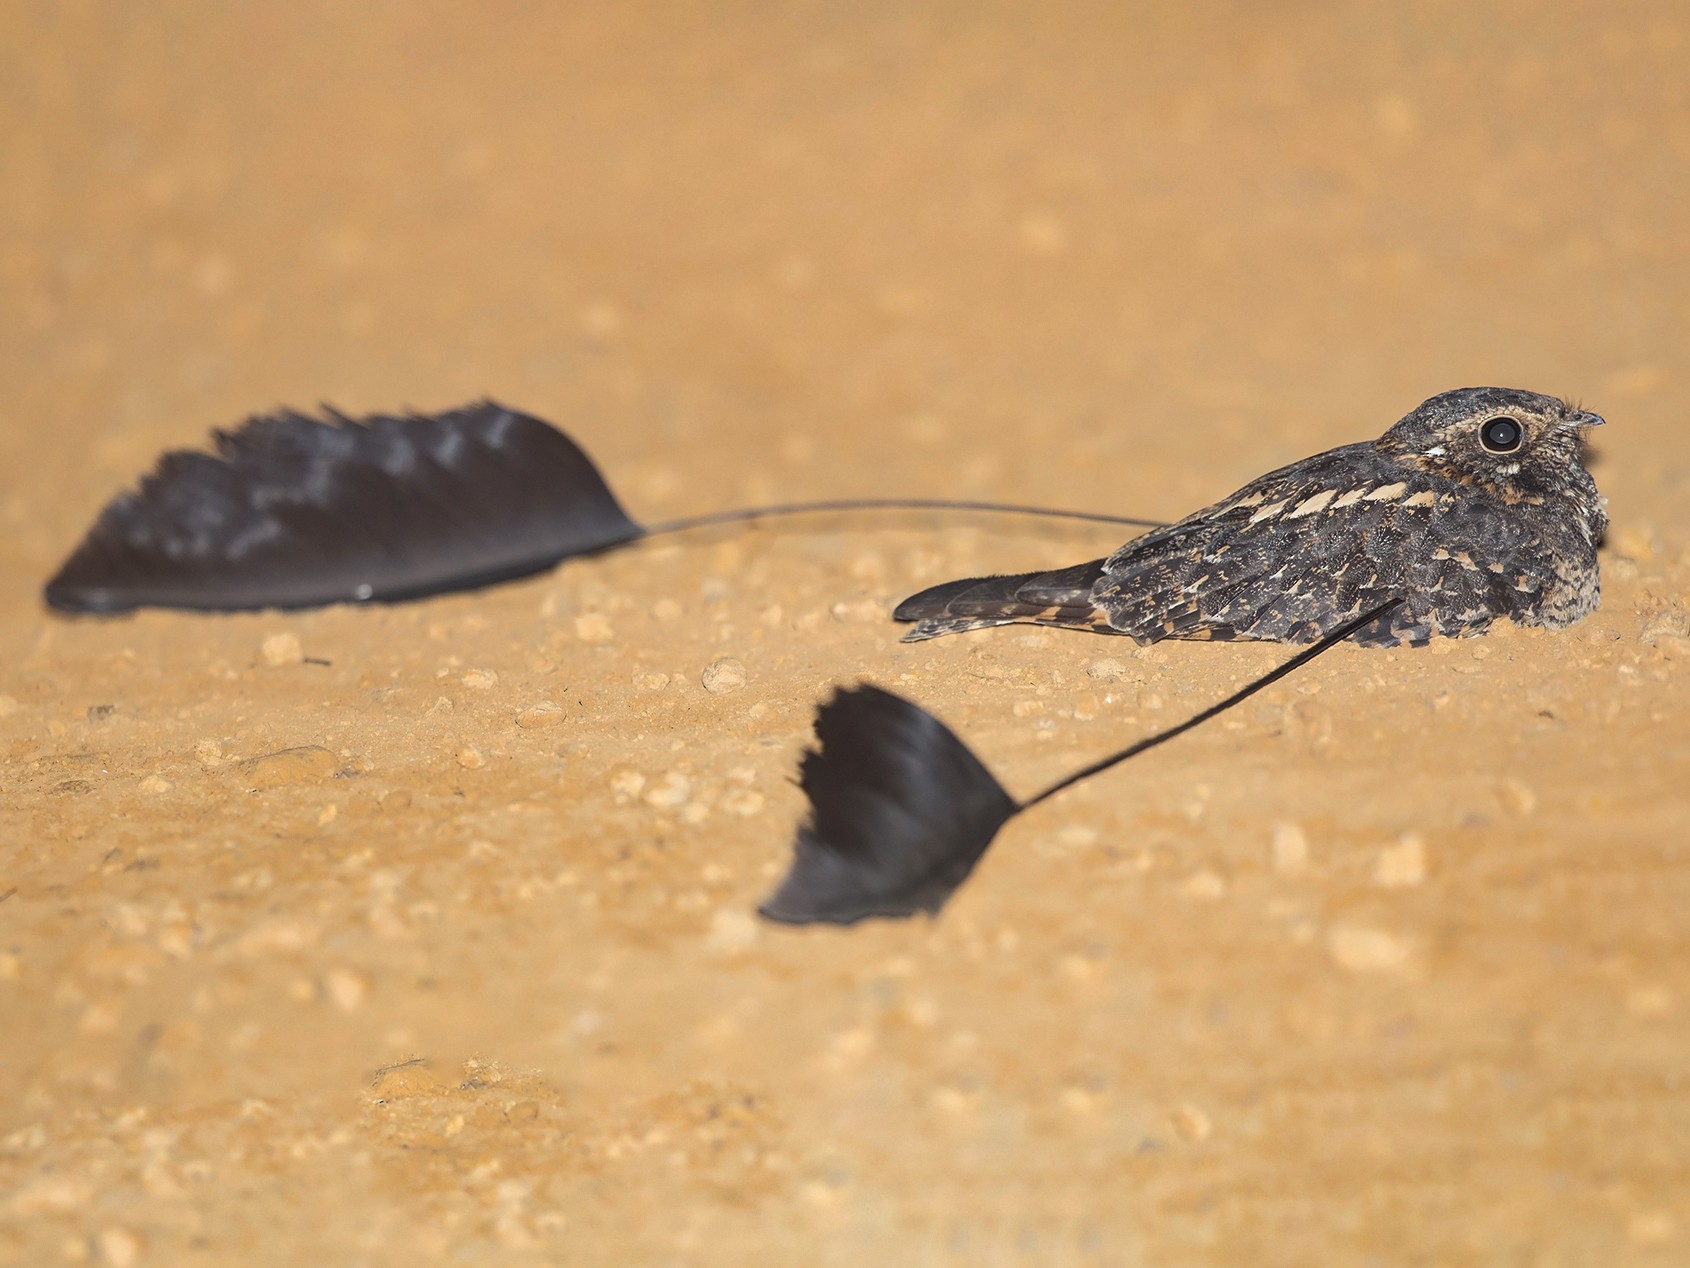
293 512
900 812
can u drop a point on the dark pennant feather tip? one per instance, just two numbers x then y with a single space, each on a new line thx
900 812
292 511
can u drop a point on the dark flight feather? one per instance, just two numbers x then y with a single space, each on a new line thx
293 511
900 812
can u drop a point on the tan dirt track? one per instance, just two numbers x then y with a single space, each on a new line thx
1390 966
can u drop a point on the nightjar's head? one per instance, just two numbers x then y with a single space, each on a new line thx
1520 446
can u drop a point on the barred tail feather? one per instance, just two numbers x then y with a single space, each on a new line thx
1061 598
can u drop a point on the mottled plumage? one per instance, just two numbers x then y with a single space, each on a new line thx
1474 506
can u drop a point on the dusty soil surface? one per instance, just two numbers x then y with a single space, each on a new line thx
323 939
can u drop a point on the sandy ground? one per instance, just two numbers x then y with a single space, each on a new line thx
1391 966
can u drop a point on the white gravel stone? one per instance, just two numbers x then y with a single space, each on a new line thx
674 791
723 675
743 802
1664 625
281 649
593 627
1290 849
1517 797
543 714
346 988
1403 865
1362 950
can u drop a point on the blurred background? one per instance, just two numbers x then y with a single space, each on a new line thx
1026 246
1111 256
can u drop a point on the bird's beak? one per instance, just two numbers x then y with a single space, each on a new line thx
1584 419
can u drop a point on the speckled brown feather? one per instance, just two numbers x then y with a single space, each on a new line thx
1427 513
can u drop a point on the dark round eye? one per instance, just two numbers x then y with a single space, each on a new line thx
1500 435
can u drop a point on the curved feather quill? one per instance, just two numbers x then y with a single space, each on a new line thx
901 810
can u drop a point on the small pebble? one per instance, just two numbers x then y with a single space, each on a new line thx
1077 836
1205 884
743 802
308 763
723 675
346 989
1191 1123
481 679
1106 669
675 790
731 930
1362 950
471 758
1290 849
543 714
627 784
1634 540
281 649
1402 865
1077 1100
208 753
155 784
402 1081
1517 797
100 1018
952 1100
1664 625
593 627
119 1247
867 566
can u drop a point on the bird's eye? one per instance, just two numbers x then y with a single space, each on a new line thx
1501 435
